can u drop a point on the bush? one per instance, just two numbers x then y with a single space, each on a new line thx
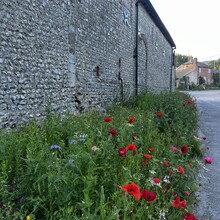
128 164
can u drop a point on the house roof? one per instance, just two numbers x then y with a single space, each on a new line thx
182 73
203 65
215 71
155 17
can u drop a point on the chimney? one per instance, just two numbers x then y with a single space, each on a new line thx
195 61
190 59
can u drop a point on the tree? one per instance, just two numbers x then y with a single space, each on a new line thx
180 59
216 79
215 64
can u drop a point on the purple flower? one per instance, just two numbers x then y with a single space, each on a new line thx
173 148
71 162
73 141
55 147
82 139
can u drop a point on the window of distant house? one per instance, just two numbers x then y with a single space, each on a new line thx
209 71
200 70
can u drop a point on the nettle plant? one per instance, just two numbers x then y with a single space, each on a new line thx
138 160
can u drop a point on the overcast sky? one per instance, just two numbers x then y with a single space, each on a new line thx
193 25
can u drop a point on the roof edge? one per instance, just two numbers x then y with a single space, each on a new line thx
155 17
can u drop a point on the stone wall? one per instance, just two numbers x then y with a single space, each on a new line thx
74 55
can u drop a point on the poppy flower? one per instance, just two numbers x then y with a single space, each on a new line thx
131 120
171 172
156 180
133 190
113 132
189 216
182 204
158 114
148 196
147 156
122 152
208 160
107 120
131 147
176 202
180 170
187 193
145 163
184 149
190 102
150 149
166 164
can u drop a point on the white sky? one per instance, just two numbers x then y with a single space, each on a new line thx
193 25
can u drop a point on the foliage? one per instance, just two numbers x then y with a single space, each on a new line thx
80 166
201 80
216 79
215 64
180 59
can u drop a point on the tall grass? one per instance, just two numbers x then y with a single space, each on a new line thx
71 167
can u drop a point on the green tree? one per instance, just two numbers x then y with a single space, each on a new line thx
180 59
215 64
216 79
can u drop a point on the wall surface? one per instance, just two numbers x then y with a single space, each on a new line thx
74 55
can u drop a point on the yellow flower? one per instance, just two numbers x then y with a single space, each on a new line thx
28 217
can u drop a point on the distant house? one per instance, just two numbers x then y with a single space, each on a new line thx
194 72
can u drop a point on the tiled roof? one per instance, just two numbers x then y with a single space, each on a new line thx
203 65
215 71
155 17
182 73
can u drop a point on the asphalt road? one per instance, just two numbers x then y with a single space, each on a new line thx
208 104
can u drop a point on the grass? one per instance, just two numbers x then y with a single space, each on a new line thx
94 166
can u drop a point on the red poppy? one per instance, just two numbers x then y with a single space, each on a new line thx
147 156
122 152
150 149
184 149
180 170
145 163
184 104
113 132
190 102
133 190
166 164
183 204
148 196
107 119
131 120
171 172
176 202
159 114
156 180
189 216
131 147
187 193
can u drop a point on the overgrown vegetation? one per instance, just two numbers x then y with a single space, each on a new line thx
136 162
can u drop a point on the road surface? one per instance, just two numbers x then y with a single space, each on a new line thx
208 104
